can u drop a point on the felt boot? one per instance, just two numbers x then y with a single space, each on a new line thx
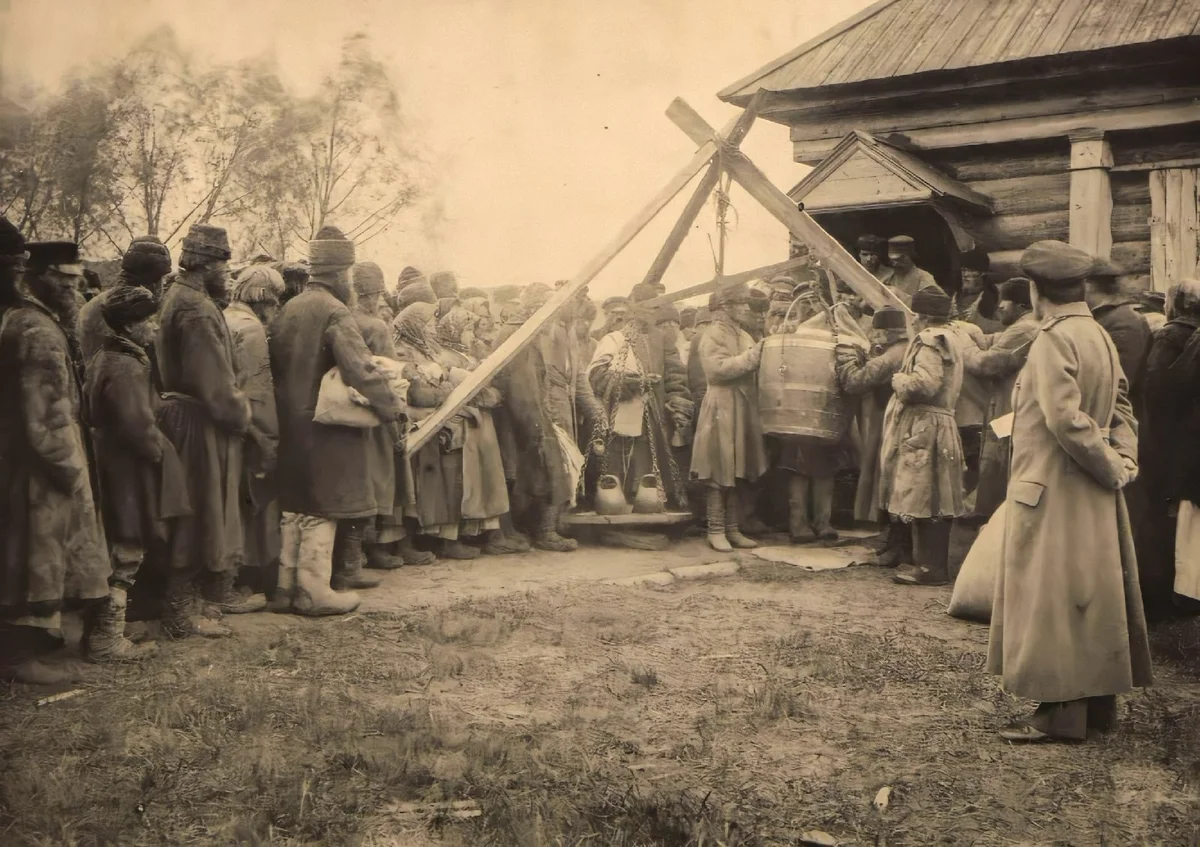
349 558
548 537
715 499
822 508
732 533
799 528
314 569
220 593
105 639
289 552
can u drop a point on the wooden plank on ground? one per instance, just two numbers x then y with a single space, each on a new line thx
823 245
516 342
659 519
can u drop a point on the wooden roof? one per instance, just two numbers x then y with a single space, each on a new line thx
898 38
864 172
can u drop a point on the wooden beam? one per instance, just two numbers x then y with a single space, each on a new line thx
1091 208
720 282
516 342
756 184
1190 162
683 226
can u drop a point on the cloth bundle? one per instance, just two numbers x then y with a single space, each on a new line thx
340 405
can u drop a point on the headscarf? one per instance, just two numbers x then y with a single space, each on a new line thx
409 327
478 306
258 284
452 327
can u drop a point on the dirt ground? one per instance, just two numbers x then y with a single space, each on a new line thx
529 701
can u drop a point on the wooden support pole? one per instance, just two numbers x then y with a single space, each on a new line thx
516 342
755 182
1091 193
720 282
684 225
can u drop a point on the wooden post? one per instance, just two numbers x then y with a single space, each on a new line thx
756 184
1174 226
516 342
1091 193
684 225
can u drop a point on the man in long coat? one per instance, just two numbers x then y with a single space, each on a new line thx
324 471
1067 624
205 416
53 547
144 264
728 445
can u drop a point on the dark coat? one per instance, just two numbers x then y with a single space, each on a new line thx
141 479
382 462
1130 333
697 382
324 470
53 550
872 380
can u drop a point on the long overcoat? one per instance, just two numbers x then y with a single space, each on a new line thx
324 470
921 459
729 436
53 544
872 380
382 462
1067 620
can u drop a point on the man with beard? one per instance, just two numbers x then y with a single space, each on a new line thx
206 417
729 446
12 263
975 302
324 471
868 256
54 554
144 264
255 302
907 279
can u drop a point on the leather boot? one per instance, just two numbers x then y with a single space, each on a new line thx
289 552
314 568
411 555
799 528
931 555
732 534
105 640
548 537
219 592
822 508
715 501
349 558
178 620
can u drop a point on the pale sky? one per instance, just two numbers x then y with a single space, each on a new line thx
543 118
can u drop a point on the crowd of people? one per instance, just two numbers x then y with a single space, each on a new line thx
162 455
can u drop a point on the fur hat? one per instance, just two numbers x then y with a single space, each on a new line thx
1056 262
415 292
207 241
146 256
445 284
330 251
931 303
1016 290
127 304
12 243
368 278
258 284
46 254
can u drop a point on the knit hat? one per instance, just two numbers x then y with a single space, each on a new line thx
1055 262
667 312
1016 290
931 303
12 243
415 292
368 278
330 251
889 317
125 305
146 256
207 241
258 284
445 284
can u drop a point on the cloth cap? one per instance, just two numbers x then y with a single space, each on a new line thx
901 242
146 256
330 251
889 317
615 303
45 254
931 303
208 241
12 243
667 312
868 243
976 259
1056 262
642 292
367 278
445 284
127 304
258 284
1016 290
415 292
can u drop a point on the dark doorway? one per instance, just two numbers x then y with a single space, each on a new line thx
937 251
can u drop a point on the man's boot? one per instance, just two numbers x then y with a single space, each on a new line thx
931 555
747 511
289 552
105 639
732 534
314 569
715 502
178 620
894 550
495 544
514 536
220 593
380 558
822 508
548 537
799 528
411 555
349 558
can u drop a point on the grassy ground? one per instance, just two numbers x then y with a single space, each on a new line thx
737 712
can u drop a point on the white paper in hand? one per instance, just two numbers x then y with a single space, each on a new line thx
1003 426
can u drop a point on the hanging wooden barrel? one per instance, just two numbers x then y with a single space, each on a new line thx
798 392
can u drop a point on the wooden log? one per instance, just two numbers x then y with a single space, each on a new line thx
1130 257
822 244
516 342
718 283
1016 232
1130 189
683 226
1131 223
1007 161
1025 195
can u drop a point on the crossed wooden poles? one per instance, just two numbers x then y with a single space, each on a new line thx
719 153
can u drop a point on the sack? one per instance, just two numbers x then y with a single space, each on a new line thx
976 584
340 405
1187 550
